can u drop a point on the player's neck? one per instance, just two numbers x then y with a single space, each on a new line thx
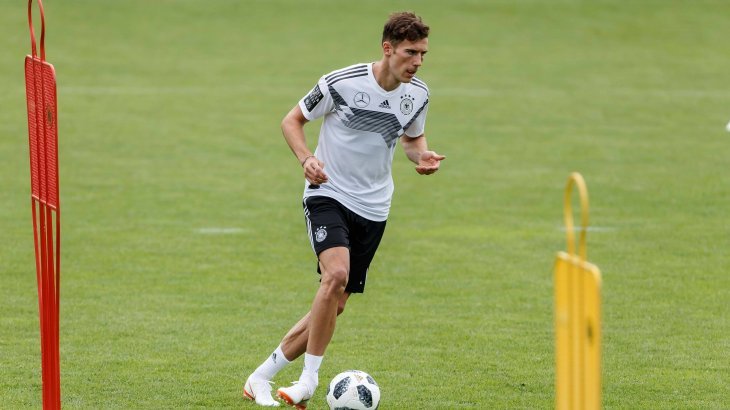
384 77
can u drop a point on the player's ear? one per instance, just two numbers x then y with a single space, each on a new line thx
387 48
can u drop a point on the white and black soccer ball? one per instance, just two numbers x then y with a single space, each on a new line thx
353 390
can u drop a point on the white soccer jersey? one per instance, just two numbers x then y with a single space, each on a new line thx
361 125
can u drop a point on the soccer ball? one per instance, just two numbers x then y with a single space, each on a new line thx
353 390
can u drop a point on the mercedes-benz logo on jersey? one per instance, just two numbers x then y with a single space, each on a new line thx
406 104
361 99
321 233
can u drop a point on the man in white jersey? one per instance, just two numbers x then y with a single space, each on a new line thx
367 108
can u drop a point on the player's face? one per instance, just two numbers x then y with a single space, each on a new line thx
406 58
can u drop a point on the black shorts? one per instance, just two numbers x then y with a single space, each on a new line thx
330 224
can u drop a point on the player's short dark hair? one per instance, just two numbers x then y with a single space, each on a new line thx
404 26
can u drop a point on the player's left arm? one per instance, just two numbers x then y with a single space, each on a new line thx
416 149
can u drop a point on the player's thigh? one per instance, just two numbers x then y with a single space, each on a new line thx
334 265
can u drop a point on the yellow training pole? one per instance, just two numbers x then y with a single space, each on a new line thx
577 314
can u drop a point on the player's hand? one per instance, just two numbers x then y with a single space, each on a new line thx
429 163
314 171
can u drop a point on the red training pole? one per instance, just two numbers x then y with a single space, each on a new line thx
41 100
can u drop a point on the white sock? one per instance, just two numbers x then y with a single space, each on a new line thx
311 368
272 365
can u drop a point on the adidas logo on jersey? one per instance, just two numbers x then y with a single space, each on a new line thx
384 104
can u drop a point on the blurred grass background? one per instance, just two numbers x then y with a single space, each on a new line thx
184 250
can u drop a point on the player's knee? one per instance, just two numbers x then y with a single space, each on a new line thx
335 280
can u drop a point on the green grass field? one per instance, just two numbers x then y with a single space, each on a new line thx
184 251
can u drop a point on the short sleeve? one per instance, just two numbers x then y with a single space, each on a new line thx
318 102
418 125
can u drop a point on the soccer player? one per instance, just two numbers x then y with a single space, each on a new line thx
367 108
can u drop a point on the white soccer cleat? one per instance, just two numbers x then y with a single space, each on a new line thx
297 394
259 391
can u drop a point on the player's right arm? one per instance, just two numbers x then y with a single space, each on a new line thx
292 126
